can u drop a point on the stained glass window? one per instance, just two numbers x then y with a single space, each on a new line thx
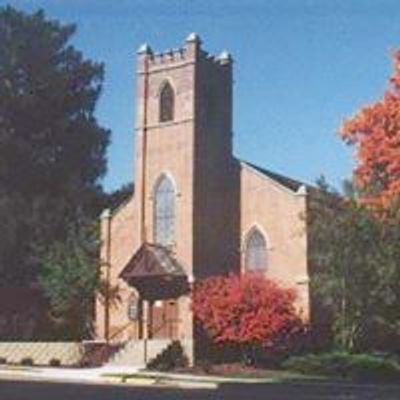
166 103
256 251
164 211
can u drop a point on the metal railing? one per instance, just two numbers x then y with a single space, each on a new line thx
170 324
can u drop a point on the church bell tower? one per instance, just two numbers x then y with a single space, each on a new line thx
184 166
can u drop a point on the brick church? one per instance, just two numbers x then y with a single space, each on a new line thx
196 210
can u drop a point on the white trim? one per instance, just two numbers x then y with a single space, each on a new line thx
302 191
106 214
303 280
121 206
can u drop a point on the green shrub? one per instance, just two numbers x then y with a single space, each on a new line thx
55 362
205 366
357 367
172 357
27 361
366 367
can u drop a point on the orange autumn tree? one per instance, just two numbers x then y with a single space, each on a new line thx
375 133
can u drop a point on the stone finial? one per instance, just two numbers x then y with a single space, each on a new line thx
302 191
224 57
106 214
193 37
192 47
303 280
145 49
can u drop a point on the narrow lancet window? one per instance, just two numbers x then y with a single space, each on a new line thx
164 212
167 100
256 252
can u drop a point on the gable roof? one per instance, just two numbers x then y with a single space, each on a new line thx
152 260
283 180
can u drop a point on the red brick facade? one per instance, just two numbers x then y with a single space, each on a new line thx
218 200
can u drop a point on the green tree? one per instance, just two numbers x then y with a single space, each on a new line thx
52 149
69 277
114 199
355 261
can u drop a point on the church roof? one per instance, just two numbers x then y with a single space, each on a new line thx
289 183
152 260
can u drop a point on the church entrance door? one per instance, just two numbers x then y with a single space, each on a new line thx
163 319
160 280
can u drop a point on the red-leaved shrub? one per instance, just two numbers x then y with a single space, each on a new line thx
246 310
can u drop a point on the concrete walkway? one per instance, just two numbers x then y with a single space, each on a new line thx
130 375
136 376
67 374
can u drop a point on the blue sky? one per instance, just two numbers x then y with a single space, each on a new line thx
301 67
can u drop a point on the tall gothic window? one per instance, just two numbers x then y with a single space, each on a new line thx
164 211
167 103
256 251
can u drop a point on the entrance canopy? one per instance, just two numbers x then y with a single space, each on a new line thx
155 273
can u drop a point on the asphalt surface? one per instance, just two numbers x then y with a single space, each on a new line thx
30 390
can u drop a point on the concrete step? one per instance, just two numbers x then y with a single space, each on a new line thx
139 352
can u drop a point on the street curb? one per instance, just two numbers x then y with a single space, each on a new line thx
107 381
149 378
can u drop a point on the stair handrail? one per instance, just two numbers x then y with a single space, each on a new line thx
165 322
120 330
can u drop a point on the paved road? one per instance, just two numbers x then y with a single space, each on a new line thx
24 390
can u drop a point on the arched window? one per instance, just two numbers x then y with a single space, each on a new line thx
256 251
164 211
167 103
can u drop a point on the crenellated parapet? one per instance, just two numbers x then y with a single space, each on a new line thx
189 53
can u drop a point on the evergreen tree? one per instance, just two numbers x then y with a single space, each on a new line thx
52 149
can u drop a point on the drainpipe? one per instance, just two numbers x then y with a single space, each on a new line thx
106 222
146 52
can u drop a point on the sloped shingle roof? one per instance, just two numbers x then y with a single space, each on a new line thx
152 260
285 181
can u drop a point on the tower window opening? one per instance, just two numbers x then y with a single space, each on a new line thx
167 99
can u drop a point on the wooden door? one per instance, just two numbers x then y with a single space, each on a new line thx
163 319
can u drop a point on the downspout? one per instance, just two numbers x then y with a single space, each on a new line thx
106 219
143 230
143 233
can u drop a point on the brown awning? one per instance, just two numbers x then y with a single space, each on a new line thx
155 272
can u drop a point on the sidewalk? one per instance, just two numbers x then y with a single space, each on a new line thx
136 376
129 375
109 375
65 374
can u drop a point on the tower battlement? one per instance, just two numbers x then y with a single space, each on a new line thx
190 52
